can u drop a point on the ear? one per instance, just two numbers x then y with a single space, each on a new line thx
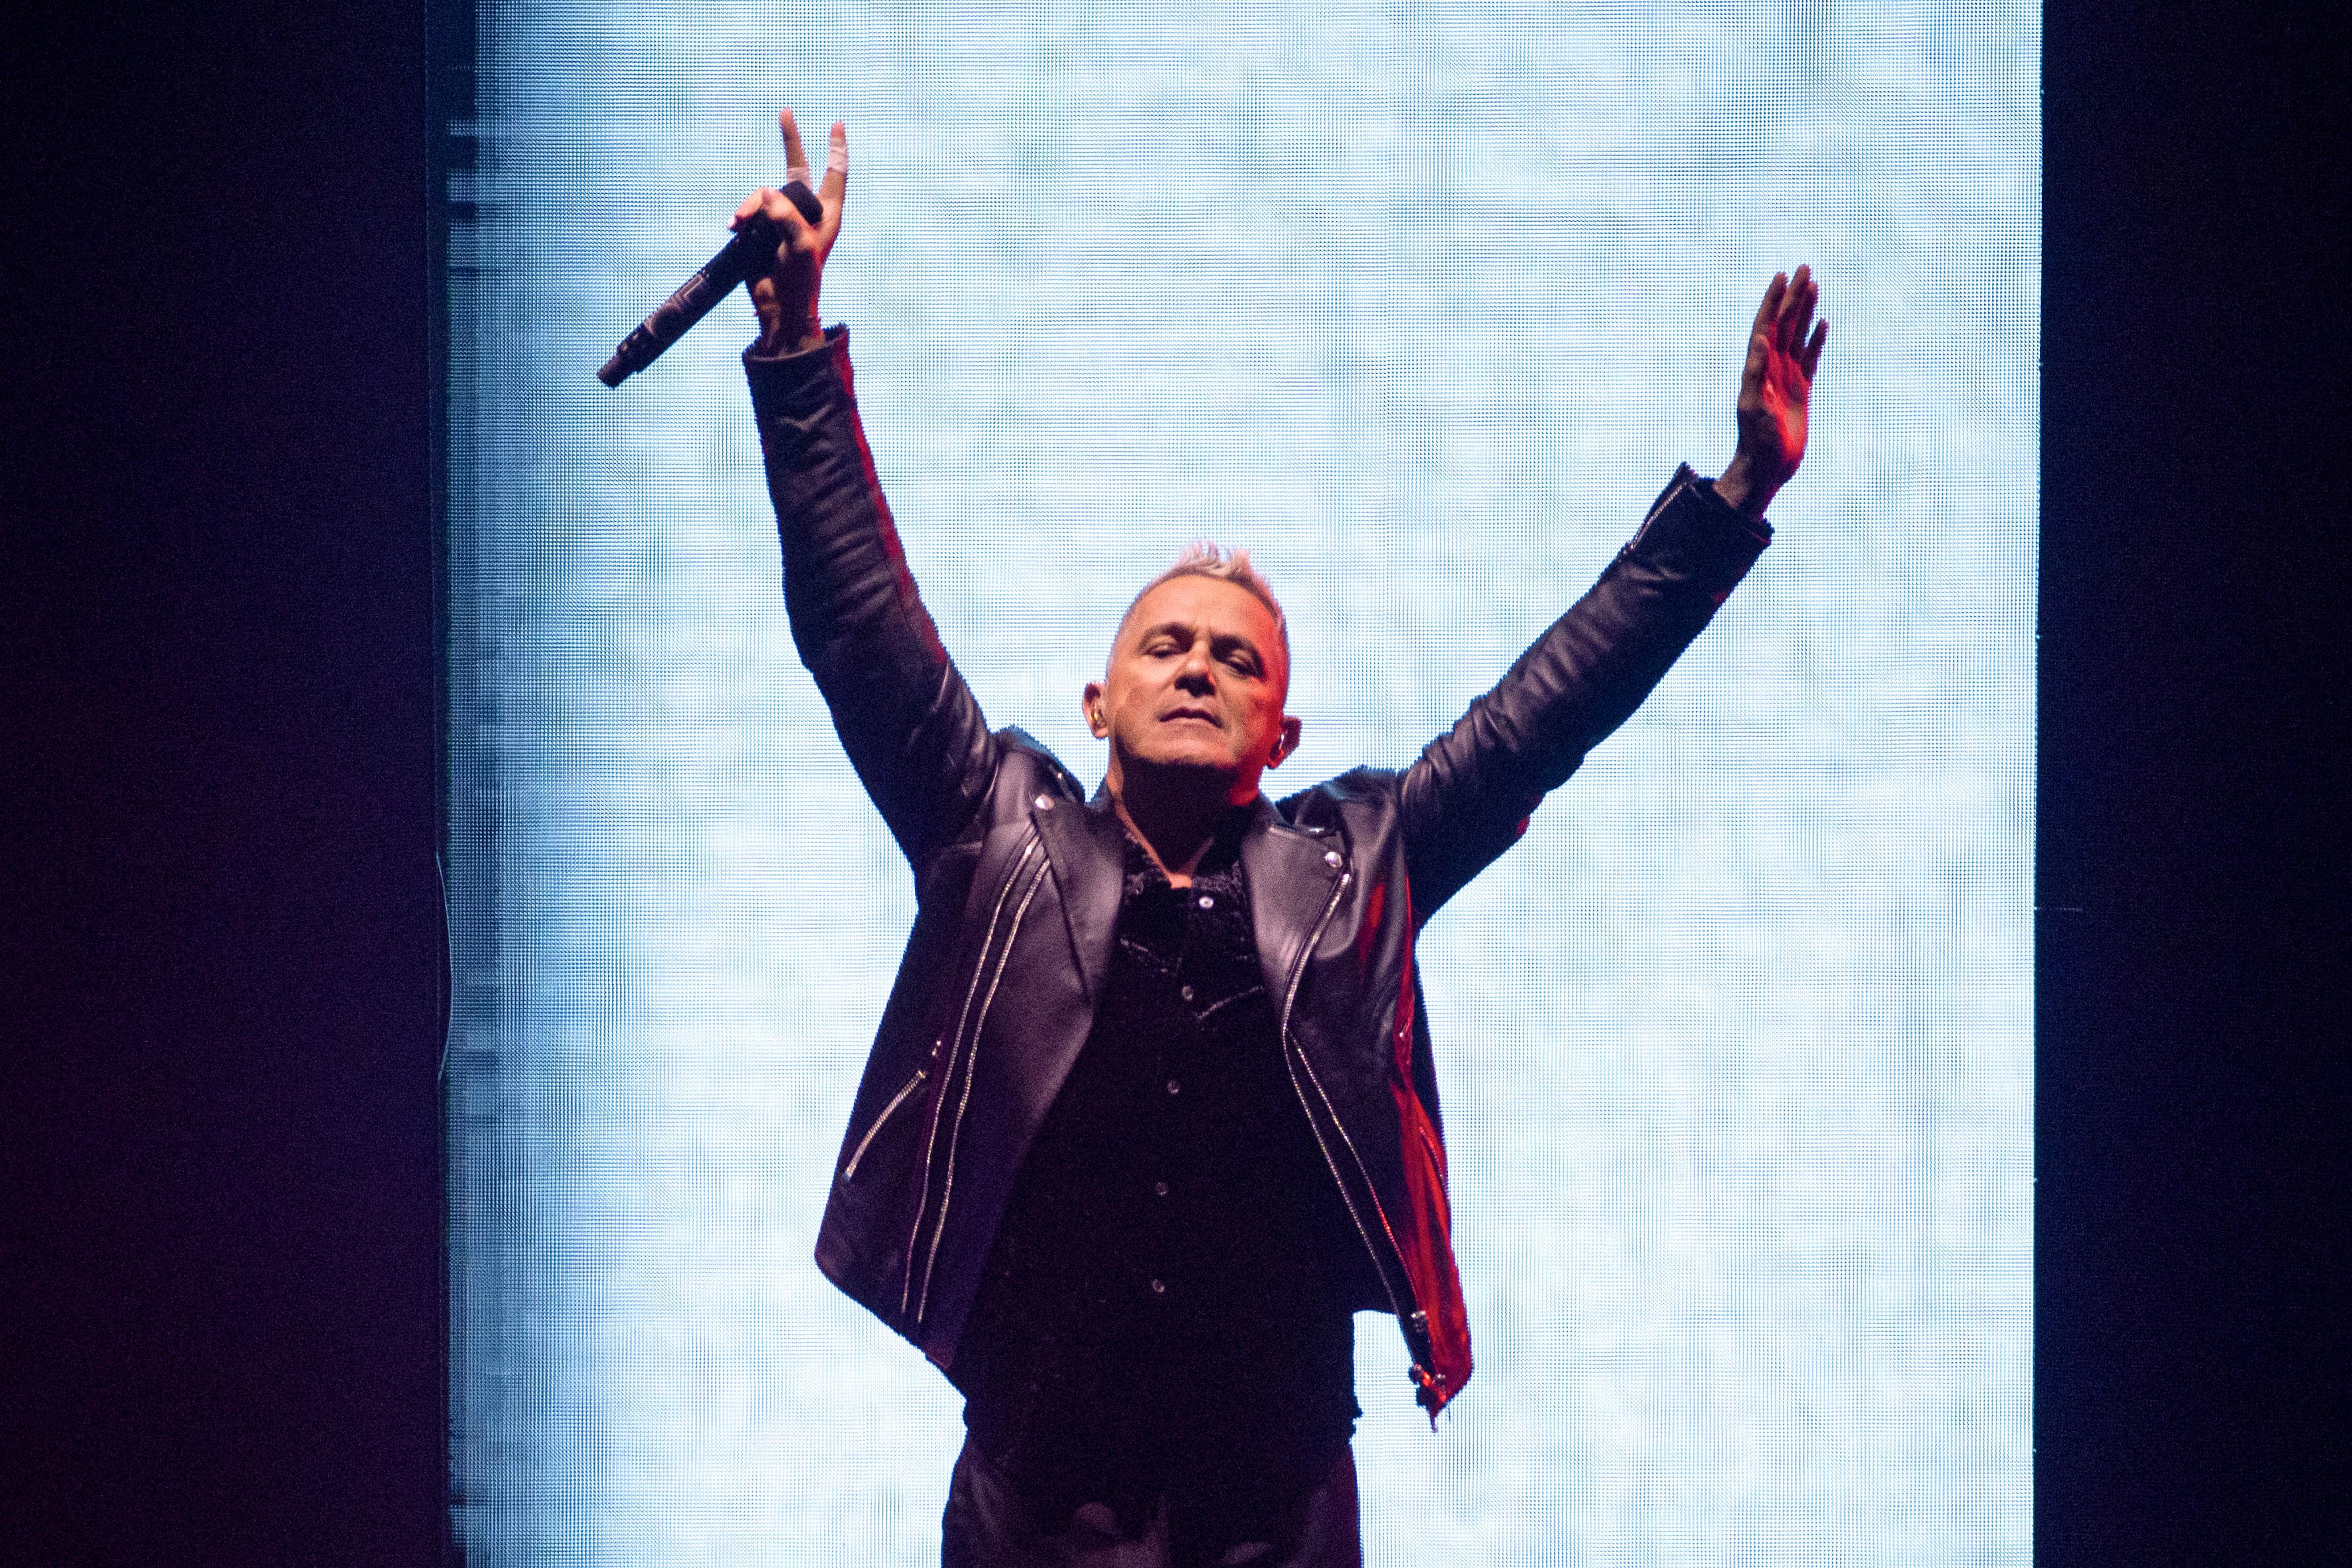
1284 744
1091 702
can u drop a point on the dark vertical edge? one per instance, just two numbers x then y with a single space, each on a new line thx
2191 1086
449 106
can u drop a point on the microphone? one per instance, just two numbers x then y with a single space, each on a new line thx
751 247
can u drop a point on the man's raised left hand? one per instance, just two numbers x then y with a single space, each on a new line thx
1783 350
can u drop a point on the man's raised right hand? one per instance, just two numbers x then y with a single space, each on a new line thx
786 294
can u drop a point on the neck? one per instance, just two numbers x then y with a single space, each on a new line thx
1174 813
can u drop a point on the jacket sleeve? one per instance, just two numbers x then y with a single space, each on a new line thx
910 726
1468 797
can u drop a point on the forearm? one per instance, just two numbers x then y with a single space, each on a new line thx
1472 788
911 727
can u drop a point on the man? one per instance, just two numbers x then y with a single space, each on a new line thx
1150 1112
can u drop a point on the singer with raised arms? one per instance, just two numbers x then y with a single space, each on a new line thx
1152 1110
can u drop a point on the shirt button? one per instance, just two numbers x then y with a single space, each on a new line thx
1159 1189
1330 857
1159 1287
1208 903
1185 992
1044 803
1172 1086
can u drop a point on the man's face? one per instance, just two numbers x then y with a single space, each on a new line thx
1197 679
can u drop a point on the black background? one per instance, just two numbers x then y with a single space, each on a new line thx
223 1220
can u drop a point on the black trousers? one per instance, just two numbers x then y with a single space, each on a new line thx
989 1523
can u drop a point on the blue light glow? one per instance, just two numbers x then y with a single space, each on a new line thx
1422 305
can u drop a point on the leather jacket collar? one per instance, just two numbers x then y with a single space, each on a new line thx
1291 873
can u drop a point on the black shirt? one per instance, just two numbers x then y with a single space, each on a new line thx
1163 1310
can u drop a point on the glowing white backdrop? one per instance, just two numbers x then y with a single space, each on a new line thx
1423 304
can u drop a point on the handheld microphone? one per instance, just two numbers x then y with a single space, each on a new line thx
751 247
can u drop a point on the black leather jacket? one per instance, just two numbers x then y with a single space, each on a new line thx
1018 877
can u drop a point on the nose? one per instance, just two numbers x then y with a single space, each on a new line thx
1197 675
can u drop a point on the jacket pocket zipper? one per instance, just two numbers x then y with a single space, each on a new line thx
850 1171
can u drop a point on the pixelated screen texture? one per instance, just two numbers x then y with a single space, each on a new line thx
1423 305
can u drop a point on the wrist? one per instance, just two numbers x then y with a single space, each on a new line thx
1738 487
790 335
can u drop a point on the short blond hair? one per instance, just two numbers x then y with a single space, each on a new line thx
1204 559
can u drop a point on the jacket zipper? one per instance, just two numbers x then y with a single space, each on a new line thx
1294 1058
931 1145
850 1171
955 1135
968 1028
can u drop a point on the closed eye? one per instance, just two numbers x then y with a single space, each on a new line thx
1238 655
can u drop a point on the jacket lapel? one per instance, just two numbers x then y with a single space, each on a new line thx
1086 849
1290 876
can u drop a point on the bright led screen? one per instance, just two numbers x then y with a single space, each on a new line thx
1423 304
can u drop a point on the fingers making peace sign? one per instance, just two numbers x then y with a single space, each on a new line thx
785 295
